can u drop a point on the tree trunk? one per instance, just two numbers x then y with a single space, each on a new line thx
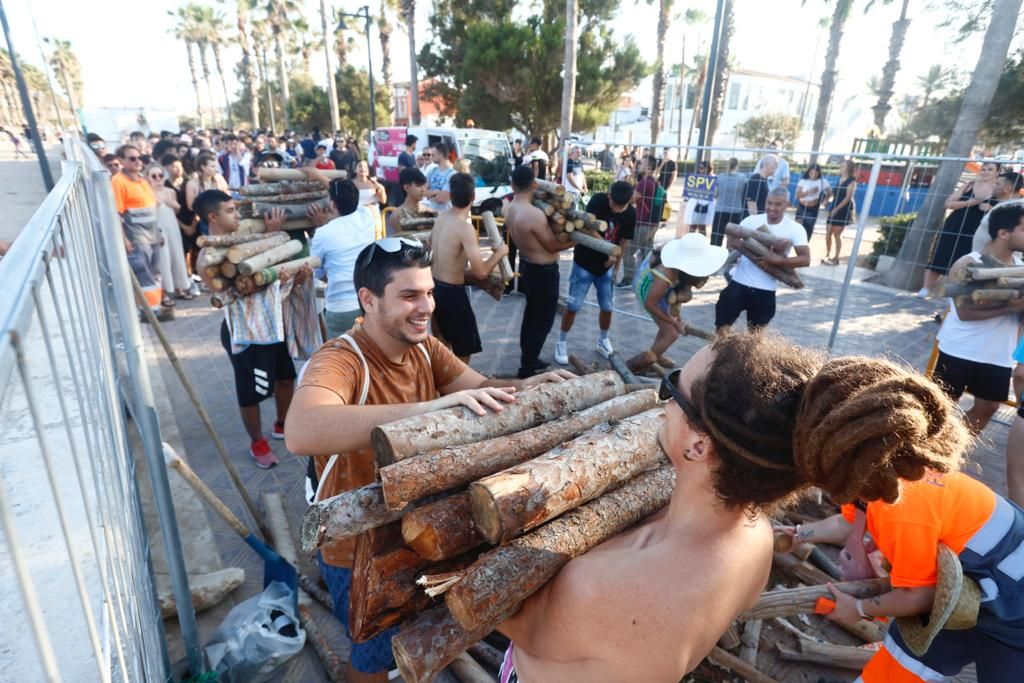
828 76
442 529
720 87
195 81
248 70
332 84
828 654
907 270
207 80
249 248
697 102
658 87
446 468
521 498
409 14
269 257
885 87
223 83
501 579
458 426
792 601
384 31
282 74
345 515
568 81
427 644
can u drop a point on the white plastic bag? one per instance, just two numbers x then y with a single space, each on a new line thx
257 636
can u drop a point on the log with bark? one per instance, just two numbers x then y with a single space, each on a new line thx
488 655
756 251
724 659
228 269
553 189
417 223
253 225
427 644
468 670
800 570
446 468
273 273
458 426
222 299
212 271
284 187
291 197
269 175
780 245
843 656
581 366
270 257
523 497
596 243
228 240
491 227
443 529
212 256
491 284
291 211
793 601
240 252
208 590
750 639
548 209
977 274
499 580
345 515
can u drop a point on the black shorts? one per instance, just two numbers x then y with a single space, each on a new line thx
736 298
454 320
982 380
257 368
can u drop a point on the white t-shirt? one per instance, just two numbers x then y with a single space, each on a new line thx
818 186
338 243
746 271
781 175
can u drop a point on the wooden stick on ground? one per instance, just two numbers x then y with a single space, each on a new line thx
447 468
845 656
792 601
580 366
721 658
750 639
442 529
523 497
458 426
505 576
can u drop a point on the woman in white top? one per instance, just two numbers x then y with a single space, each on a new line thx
811 191
173 273
625 170
371 193
207 177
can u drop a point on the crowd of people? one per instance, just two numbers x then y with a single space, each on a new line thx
751 421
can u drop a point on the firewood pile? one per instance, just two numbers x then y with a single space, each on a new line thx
757 244
988 285
243 263
569 223
471 514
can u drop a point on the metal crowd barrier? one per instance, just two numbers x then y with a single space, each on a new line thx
75 569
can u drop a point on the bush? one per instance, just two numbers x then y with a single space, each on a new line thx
892 231
599 181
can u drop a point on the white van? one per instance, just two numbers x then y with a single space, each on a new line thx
488 151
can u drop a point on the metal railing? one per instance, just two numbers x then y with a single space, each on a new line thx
75 568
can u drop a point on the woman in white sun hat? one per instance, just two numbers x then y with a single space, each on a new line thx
666 280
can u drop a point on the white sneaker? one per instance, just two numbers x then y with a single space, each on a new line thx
562 353
604 347
923 292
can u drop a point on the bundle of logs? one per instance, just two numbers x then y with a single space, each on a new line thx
242 263
757 244
284 189
562 469
569 223
989 285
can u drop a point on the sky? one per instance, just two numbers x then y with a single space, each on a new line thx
129 57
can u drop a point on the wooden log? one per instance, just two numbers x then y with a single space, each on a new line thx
488 655
291 211
800 570
819 559
492 285
269 175
551 188
580 366
270 257
240 252
228 269
749 641
212 256
792 601
523 497
290 197
491 227
576 214
427 644
624 372
458 426
257 225
721 658
989 295
273 273
505 576
977 274
548 210
285 187
1010 282
212 271
601 226
333 665
730 640
828 654
779 245
756 251
417 223
447 468
443 529
222 299
208 590
597 244
345 515
219 283
229 240
467 670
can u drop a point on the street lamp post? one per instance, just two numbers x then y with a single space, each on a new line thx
364 13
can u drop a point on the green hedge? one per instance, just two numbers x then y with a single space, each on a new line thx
599 181
891 233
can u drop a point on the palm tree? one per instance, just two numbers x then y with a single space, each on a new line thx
973 112
569 82
885 86
658 87
301 42
248 68
409 15
828 77
65 64
932 82
199 15
691 17
215 29
700 68
384 29
185 31
718 89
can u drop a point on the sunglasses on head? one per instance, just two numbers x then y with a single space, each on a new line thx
669 388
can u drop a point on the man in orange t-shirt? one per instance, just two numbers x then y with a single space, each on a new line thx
986 532
384 370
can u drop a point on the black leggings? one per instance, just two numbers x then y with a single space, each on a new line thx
540 285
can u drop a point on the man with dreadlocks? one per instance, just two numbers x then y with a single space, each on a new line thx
751 422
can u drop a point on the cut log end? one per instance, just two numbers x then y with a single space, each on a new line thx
382 447
313 530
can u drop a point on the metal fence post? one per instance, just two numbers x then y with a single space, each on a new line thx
862 220
148 423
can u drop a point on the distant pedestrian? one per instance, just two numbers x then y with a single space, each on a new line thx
667 171
172 256
537 159
438 179
517 153
730 188
811 191
843 213
757 184
407 158
322 161
574 179
16 141
780 178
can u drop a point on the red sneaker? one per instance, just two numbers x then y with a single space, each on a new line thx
278 430
261 453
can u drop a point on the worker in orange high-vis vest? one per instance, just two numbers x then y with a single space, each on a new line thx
937 522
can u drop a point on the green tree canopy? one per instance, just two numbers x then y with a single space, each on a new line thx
761 131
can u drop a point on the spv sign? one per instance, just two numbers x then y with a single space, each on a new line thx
700 187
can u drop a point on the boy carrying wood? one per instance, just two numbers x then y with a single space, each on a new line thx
387 368
263 367
454 242
414 185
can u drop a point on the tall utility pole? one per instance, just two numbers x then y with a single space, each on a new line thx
711 72
26 103
332 87
569 81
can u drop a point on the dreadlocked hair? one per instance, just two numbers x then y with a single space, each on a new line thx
784 418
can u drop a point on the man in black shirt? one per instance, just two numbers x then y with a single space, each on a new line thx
757 186
590 267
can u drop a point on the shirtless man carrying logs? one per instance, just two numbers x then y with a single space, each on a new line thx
538 269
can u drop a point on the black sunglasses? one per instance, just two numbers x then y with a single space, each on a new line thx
669 389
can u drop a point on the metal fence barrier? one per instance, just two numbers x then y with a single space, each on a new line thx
75 571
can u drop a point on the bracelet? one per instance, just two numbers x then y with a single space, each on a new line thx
860 610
